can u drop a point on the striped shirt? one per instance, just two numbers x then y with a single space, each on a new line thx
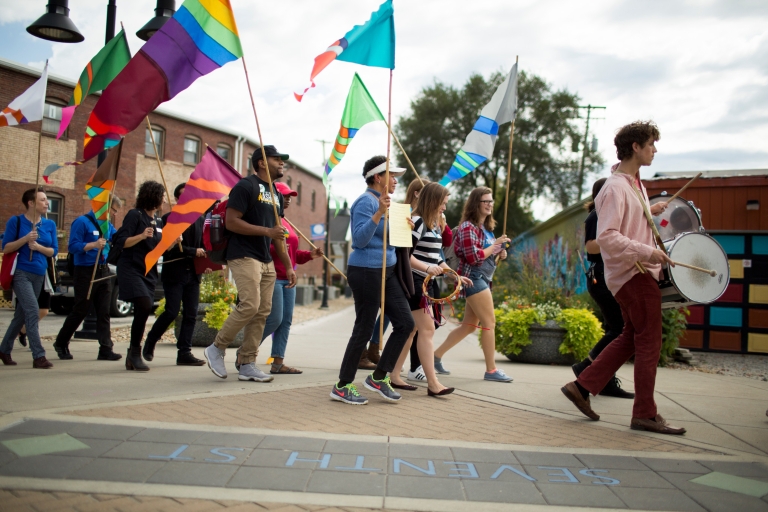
427 244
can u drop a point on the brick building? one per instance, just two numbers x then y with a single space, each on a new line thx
180 140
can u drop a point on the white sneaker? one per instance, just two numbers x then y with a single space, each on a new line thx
418 375
215 358
250 371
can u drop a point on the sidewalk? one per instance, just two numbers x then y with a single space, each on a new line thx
88 435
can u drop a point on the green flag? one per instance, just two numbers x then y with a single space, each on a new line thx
359 111
97 75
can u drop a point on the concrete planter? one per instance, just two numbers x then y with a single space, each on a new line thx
203 335
544 347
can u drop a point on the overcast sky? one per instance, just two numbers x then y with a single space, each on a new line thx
699 68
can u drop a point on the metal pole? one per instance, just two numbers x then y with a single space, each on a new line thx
327 267
111 16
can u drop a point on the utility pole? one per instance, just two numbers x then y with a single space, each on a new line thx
326 267
589 108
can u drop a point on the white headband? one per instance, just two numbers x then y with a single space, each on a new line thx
393 171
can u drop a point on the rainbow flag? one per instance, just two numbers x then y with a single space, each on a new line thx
200 38
101 185
359 110
29 106
478 147
97 75
211 180
371 44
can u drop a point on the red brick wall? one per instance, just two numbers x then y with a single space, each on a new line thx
13 83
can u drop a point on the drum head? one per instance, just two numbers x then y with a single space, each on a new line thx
679 217
701 251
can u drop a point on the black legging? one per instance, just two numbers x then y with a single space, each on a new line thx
142 308
613 322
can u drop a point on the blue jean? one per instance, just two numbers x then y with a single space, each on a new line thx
281 317
376 327
27 287
479 283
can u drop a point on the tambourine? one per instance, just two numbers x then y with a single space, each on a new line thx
454 294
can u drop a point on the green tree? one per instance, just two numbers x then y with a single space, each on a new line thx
546 152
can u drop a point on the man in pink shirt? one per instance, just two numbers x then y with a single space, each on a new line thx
625 239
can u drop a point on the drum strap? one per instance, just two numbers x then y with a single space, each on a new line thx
649 218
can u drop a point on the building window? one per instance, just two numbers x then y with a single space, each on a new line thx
314 197
298 191
191 150
159 134
55 208
288 181
52 117
224 152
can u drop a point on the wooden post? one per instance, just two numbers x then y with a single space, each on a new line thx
404 154
314 247
509 172
159 166
386 215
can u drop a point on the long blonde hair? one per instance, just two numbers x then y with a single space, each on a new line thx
472 208
410 194
430 200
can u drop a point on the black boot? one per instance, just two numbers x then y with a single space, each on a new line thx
187 359
580 367
62 352
133 360
149 350
613 388
107 354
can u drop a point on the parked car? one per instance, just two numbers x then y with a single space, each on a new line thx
63 298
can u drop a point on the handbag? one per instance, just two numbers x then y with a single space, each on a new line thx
9 262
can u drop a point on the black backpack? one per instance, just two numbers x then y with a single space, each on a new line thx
71 256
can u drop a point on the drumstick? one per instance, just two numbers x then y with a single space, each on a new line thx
683 189
640 267
654 229
712 273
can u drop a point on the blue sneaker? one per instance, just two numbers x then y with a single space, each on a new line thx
439 368
382 387
347 394
497 376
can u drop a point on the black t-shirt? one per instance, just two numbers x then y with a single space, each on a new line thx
590 233
252 197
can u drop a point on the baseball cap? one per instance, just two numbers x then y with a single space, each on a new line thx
270 151
285 189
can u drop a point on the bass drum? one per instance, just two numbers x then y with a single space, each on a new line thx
681 216
684 286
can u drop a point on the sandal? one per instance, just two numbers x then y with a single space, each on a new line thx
281 368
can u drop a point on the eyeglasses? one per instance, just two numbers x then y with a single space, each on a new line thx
488 202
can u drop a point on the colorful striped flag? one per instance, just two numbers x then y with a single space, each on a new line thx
55 167
29 106
101 185
478 147
200 38
371 44
211 180
359 110
97 75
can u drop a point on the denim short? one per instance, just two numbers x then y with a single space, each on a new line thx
479 283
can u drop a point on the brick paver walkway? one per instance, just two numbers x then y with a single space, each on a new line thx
40 501
310 409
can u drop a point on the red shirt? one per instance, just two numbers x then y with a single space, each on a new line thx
297 257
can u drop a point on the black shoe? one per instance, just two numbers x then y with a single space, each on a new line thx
108 355
62 352
23 339
149 350
133 360
580 367
613 388
187 359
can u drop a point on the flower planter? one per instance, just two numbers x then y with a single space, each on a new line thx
203 335
544 347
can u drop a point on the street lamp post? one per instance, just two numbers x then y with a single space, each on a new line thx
55 24
327 267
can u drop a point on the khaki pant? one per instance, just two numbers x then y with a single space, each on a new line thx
255 282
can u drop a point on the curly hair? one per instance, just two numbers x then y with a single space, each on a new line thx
370 164
30 195
430 200
472 208
640 131
150 196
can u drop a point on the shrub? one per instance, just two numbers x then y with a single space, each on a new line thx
673 322
159 311
214 286
217 314
583 331
512 328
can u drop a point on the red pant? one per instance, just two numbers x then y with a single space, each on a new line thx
640 301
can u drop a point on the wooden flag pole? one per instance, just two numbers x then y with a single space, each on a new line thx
509 173
160 166
386 216
404 154
109 206
314 247
37 181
